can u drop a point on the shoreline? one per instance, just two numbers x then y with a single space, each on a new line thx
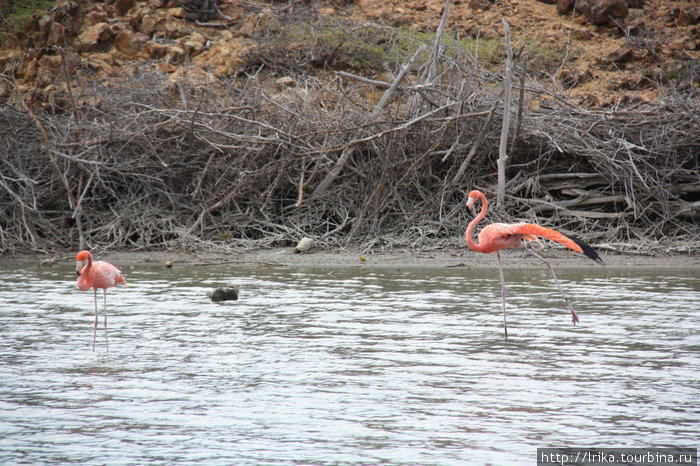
348 258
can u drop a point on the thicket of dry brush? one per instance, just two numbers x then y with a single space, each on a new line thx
154 165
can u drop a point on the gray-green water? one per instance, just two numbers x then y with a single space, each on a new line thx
345 366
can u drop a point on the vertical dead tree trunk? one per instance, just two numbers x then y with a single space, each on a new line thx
519 120
431 69
502 154
66 76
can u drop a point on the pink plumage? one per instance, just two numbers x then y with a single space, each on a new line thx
100 275
96 275
497 236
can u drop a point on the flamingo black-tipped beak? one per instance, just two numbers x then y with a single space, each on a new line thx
470 203
470 206
78 267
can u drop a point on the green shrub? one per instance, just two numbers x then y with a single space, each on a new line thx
14 19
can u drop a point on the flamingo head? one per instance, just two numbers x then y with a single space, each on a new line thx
472 197
81 259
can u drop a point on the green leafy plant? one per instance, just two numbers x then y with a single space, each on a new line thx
15 17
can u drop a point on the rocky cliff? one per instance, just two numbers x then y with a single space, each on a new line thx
605 52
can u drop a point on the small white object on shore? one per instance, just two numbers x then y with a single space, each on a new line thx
306 244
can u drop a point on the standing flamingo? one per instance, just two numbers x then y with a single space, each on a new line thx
497 236
96 275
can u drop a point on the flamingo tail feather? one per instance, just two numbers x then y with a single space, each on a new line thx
588 251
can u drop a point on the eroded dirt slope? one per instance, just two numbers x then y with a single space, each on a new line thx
624 61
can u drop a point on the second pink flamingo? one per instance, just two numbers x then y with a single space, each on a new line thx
96 275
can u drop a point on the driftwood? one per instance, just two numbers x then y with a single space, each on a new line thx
158 165
519 119
430 70
397 82
362 79
475 146
502 147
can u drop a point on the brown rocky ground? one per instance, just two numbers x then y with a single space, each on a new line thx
600 65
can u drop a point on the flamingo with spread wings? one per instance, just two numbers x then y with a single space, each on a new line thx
96 275
497 236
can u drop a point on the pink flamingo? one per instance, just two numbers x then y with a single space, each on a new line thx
96 275
497 236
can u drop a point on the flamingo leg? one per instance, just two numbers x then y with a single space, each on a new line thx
104 290
94 333
574 317
503 291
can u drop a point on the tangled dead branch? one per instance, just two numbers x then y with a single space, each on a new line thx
154 165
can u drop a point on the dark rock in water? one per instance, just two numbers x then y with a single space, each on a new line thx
224 294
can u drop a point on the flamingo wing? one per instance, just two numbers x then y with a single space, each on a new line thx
105 275
497 236
530 232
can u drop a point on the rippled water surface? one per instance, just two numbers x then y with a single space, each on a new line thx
348 365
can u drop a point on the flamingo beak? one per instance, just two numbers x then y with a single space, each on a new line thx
78 267
470 203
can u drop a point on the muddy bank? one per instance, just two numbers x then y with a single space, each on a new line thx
446 258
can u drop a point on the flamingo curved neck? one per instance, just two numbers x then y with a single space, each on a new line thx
84 271
87 259
468 235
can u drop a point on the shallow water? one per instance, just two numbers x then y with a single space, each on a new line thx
345 366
